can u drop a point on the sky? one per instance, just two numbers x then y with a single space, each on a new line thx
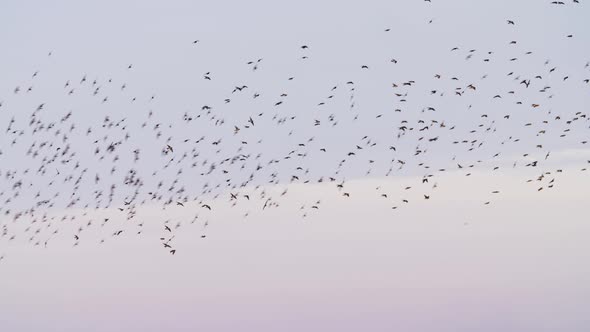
447 264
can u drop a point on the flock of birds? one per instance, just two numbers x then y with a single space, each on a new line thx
68 169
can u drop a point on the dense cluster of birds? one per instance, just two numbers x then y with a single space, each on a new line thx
68 168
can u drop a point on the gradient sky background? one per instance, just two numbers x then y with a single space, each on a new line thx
446 265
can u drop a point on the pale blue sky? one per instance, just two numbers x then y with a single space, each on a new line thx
451 264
